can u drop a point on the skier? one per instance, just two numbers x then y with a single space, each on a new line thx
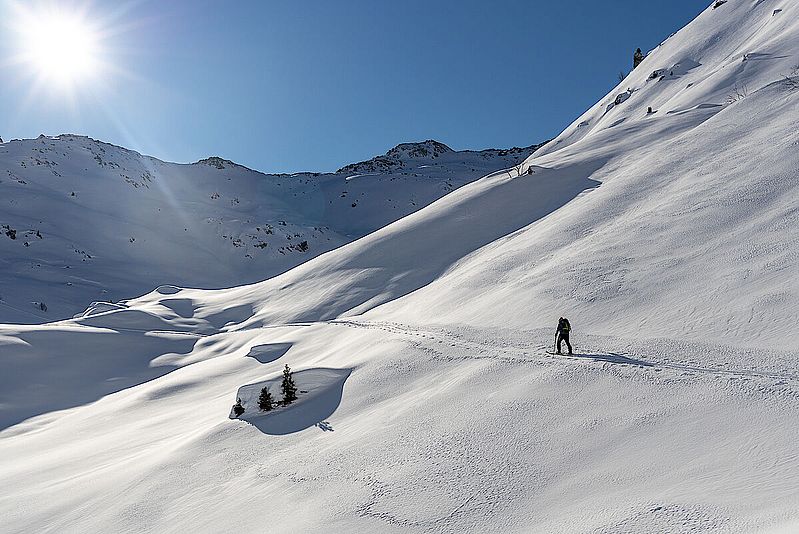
562 334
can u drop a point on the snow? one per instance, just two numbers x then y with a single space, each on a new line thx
95 222
320 392
669 240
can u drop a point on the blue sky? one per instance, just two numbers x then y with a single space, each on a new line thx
312 85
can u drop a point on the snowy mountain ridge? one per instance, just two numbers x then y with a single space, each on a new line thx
430 396
409 154
88 221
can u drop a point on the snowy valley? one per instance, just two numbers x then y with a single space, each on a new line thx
663 222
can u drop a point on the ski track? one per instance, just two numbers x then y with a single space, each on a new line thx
482 346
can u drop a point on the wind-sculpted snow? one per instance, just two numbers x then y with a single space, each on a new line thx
428 401
320 392
269 352
437 428
57 368
415 251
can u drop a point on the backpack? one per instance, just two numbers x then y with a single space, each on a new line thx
565 326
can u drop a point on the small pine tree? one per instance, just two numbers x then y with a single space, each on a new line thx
288 387
238 409
265 401
638 57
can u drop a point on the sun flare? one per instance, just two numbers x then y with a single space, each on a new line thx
59 47
62 48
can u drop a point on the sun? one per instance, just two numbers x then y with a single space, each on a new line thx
62 48
58 46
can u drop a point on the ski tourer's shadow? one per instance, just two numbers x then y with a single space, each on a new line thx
609 357
320 393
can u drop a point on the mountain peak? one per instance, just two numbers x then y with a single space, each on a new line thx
397 156
420 150
216 161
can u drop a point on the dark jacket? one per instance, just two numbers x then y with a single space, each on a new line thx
564 327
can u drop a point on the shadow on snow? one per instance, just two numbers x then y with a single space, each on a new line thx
269 352
610 357
46 370
320 392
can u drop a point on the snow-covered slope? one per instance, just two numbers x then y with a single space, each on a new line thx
428 402
86 221
693 206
